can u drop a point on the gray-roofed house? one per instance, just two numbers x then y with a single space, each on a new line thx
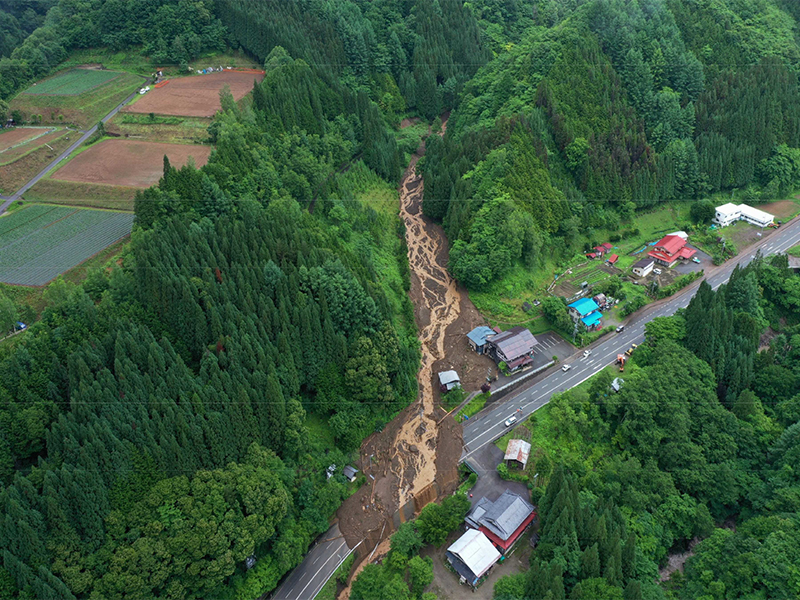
472 556
504 520
350 473
513 346
477 338
642 268
448 380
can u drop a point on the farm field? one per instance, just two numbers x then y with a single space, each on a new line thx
195 96
128 163
12 137
18 165
72 83
84 195
39 242
83 109
169 129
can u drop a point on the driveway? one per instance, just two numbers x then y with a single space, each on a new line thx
689 266
489 483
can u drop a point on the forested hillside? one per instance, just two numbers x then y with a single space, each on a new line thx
704 431
604 108
175 414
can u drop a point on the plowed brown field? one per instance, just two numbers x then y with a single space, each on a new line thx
127 163
15 136
196 96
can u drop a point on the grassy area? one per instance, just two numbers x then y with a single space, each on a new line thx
501 301
84 110
409 138
794 251
16 174
133 61
473 407
174 130
320 432
85 195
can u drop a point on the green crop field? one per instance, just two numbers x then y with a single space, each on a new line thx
84 106
72 83
38 242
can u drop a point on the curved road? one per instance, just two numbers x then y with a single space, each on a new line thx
10 199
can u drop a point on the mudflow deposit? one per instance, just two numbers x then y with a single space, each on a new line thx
422 444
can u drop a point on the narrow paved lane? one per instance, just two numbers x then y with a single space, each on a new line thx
488 427
11 199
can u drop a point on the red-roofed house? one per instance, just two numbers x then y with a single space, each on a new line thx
670 249
607 247
612 259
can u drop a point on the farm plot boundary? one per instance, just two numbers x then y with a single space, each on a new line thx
38 243
72 83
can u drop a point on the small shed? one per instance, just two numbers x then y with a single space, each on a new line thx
517 453
612 259
616 385
350 473
600 300
643 267
448 380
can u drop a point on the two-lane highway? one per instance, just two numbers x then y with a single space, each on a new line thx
489 426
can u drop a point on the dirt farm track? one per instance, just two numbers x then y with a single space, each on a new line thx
194 96
128 163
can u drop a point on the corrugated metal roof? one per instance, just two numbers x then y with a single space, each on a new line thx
446 377
475 551
506 514
584 306
518 450
514 343
643 264
479 334
592 319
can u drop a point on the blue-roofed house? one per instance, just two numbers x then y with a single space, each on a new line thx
477 338
587 312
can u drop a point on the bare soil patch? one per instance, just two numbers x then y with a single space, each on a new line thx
196 96
24 148
785 209
14 136
127 163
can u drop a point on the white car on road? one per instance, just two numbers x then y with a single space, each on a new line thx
510 421
566 368
586 353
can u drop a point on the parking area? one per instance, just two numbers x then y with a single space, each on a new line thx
689 266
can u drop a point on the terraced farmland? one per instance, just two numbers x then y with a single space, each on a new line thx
39 243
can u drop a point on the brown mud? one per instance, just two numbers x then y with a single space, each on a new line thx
418 451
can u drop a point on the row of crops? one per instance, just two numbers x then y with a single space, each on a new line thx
72 83
38 245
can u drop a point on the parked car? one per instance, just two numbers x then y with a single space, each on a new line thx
657 271
630 350
21 326
696 260
510 421
566 368
586 353
620 328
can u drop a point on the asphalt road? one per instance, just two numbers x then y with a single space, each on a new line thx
317 567
11 199
490 426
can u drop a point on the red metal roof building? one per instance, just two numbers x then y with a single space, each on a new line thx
670 249
502 521
613 259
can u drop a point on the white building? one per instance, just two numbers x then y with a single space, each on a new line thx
472 555
448 380
729 213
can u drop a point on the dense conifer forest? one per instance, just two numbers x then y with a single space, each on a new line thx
159 422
